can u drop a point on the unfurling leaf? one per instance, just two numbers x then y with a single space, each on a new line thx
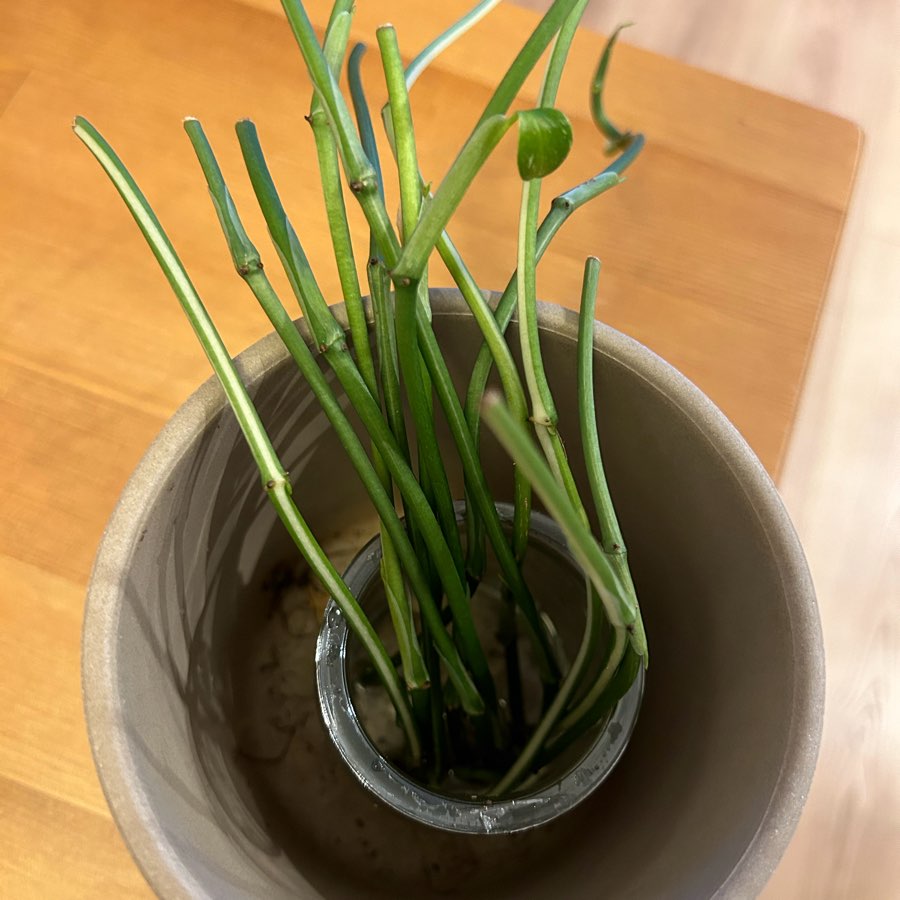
545 138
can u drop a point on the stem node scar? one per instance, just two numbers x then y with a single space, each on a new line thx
274 483
249 266
365 183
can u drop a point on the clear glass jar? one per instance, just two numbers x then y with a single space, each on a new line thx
558 588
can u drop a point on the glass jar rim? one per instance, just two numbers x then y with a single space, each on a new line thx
414 800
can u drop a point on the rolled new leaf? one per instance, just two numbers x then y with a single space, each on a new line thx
547 138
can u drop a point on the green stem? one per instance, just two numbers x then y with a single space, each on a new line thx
338 8
274 478
616 688
544 416
385 339
363 117
410 265
527 59
378 278
360 172
359 169
293 257
418 389
514 393
483 315
489 129
587 703
619 607
331 343
525 761
563 206
543 410
610 533
412 661
374 477
481 495
336 37
541 399
386 347
464 630
408 354
441 206
446 38
406 306
251 270
356 618
401 125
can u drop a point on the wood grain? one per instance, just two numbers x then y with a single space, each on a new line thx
94 354
89 862
737 175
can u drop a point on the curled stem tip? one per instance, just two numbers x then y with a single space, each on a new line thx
616 138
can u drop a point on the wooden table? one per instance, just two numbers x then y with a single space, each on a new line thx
716 254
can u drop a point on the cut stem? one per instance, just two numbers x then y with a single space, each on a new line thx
336 37
611 539
401 126
418 388
274 478
247 262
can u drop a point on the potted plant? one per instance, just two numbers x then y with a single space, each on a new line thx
480 667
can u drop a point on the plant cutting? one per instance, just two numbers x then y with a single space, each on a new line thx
464 718
479 663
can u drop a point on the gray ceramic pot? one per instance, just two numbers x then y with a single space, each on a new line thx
703 802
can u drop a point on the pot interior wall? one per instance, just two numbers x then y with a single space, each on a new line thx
688 798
